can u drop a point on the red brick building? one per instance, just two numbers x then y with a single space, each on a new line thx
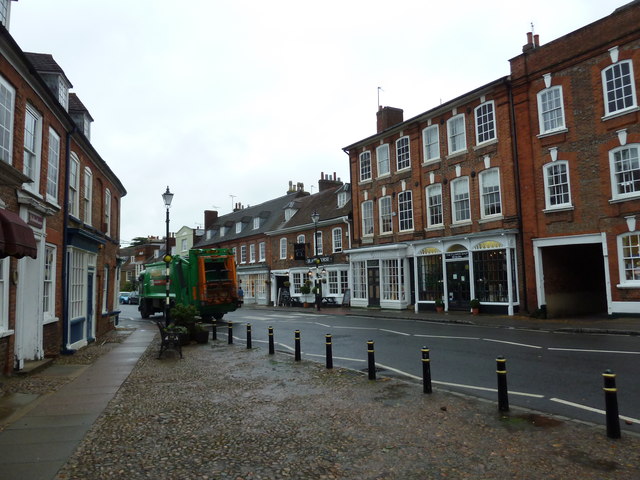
578 140
59 213
434 207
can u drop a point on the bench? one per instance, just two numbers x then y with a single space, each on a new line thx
329 301
169 341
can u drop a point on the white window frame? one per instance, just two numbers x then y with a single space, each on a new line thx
485 116
342 199
385 212
484 195
105 289
319 250
631 174
183 245
300 238
74 185
366 210
49 284
462 198
628 262
551 114
4 296
8 94
628 82
238 227
107 212
457 134
403 153
262 251
434 209
87 195
283 248
551 183
252 253
405 211
5 13
32 148
336 236
365 166
53 166
256 223
383 160
243 254
431 143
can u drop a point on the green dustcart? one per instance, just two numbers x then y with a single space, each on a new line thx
205 279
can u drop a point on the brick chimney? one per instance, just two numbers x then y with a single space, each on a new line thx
210 217
388 117
326 181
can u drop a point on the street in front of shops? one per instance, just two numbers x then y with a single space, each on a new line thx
556 371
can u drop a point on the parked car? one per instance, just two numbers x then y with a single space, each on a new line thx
134 299
125 297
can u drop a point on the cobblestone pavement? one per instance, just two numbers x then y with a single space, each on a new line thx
225 412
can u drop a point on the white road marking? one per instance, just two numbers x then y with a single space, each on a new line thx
255 318
393 331
322 324
592 351
511 343
446 336
473 387
591 409
356 328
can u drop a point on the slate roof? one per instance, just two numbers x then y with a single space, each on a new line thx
324 202
44 63
76 106
271 212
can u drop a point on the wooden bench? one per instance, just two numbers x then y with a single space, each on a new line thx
168 341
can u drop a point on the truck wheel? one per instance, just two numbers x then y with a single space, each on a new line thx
144 313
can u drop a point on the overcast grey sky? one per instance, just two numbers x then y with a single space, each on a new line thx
218 98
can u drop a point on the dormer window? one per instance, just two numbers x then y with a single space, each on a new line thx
63 93
256 223
5 10
342 199
238 227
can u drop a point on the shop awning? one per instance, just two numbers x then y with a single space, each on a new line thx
16 237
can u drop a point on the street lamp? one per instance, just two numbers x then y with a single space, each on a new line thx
315 217
167 197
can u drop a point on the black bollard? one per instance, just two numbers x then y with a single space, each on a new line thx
297 340
611 404
372 360
503 395
426 371
329 350
248 336
272 348
214 331
229 333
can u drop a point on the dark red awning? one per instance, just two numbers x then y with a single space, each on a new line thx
16 237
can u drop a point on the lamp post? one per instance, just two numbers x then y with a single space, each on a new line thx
315 217
167 197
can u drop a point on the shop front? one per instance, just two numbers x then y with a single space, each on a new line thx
459 269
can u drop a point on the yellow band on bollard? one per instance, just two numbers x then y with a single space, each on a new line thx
611 390
501 371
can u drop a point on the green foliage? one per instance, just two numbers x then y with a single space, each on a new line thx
305 289
184 315
173 328
474 303
439 302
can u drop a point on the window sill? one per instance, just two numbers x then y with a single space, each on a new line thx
491 219
49 320
620 114
550 133
6 333
362 182
403 169
461 224
486 143
384 175
431 161
567 208
385 234
624 286
625 199
435 228
457 154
